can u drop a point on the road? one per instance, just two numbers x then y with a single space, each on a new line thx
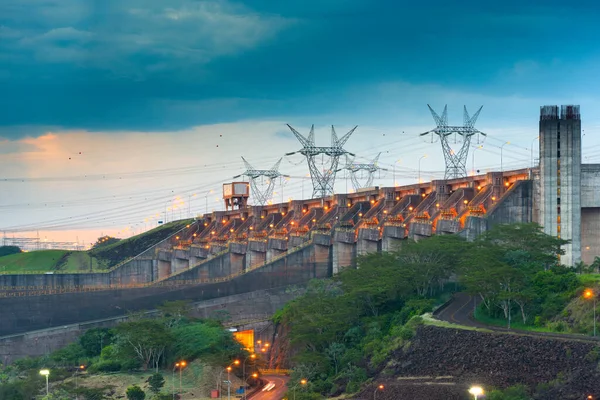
460 311
277 392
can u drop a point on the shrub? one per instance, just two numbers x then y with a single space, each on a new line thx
106 366
156 382
135 393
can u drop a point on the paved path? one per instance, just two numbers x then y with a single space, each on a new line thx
277 392
460 311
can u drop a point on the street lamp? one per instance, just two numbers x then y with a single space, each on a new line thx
422 157
181 365
302 382
229 383
380 387
473 157
80 368
252 356
476 391
534 139
589 294
206 201
501 148
190 203
46 373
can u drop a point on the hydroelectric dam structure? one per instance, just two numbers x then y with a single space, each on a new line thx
262 247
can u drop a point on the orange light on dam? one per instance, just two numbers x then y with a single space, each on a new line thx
245 338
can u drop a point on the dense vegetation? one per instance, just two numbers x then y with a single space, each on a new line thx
140 343
343 330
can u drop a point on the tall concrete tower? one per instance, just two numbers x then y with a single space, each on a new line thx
560 175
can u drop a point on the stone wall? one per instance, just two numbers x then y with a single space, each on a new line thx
250 306
26 313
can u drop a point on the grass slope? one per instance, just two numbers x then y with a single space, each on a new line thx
43 260
102 258
47 261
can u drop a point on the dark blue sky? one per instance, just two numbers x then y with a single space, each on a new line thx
163 66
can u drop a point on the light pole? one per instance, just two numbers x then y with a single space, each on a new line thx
228 384
394 173
80 368
501 163
380 387
473 157
589 294
46 373
180 365
206 201
534 139
252 356
476 391
190 203
419 177
302 382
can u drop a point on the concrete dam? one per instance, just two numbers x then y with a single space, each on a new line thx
264 247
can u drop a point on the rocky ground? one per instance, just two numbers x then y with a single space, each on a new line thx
449 361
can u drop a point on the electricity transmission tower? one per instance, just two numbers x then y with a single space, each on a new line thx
355 168
323 176
456 162
261 191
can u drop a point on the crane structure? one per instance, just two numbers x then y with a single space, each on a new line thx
323 176
456 161
261 190
356 168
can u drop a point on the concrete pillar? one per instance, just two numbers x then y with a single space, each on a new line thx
560 177
368 241
343 249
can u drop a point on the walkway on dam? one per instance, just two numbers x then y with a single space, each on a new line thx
459 310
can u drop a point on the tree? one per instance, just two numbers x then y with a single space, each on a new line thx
8 250
147 338
135 393
93 340
173 312
156 382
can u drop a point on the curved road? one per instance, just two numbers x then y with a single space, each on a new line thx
277 392
460 311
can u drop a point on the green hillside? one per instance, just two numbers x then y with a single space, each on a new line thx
102 257
47 261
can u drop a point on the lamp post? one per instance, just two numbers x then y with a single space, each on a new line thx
252 356
394 173
476 391
190 203
46 373
80 368
419 177
180 365
206 201
589 294
302 382
380 387
534 139
473 158
501 163
228 384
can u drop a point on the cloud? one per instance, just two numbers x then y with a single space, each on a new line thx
136 38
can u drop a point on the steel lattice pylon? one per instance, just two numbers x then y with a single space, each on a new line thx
322 180
262 192
370 168
456 162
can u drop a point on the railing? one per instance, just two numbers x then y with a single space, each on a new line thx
276 371
162 283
